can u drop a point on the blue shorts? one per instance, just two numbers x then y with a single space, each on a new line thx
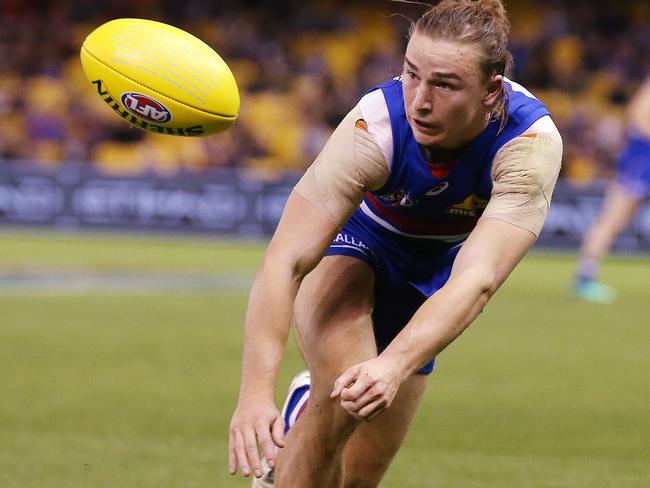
407 272
633 166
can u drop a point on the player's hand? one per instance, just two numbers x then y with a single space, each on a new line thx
367 389
255 425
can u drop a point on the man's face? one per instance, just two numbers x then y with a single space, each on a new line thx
444 91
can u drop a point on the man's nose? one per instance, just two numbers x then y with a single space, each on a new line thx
422 101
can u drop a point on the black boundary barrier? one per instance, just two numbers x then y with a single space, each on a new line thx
227 202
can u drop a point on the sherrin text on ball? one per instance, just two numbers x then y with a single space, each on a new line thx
160 78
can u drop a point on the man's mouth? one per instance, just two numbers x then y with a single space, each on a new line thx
426 127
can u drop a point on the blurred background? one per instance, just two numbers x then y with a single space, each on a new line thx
300 67
126 257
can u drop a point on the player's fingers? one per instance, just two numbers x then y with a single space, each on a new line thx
252 452
277 431
356 416
357 404
346 379
232 456
240 453
359 388
371 410
265 443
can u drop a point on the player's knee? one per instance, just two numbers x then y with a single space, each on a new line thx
337 417
336 423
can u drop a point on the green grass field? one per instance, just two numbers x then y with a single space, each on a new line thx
135 387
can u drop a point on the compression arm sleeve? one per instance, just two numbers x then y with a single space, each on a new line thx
524 174
350 164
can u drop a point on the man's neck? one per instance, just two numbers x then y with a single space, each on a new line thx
440 156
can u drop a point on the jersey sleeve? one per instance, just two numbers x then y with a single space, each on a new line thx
524 174
350 164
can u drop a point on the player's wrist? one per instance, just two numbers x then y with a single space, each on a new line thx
257 388
257 394
397 363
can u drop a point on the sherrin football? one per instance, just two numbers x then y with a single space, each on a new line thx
160 78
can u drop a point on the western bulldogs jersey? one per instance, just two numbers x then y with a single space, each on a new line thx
422 201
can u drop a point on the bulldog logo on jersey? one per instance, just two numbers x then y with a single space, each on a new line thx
399 198
472 206
146 108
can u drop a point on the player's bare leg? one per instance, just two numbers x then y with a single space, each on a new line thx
382 436
333 320
373 445
334 328
618 210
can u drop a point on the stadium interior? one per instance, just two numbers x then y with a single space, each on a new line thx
126 258
300 66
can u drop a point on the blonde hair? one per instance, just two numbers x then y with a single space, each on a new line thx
481 22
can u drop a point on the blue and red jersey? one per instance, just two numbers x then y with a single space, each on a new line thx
420 200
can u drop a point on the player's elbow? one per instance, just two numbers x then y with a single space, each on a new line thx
486 288
483 282
291 260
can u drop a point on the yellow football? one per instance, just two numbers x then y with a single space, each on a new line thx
160 78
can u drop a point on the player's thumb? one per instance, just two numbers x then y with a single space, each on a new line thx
346 379
277 431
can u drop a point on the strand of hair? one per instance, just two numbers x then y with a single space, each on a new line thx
411 2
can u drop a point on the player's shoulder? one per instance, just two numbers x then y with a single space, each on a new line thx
385 99
543 126
524 110
542 129
374 107
515 87
521 101
535 154
376 114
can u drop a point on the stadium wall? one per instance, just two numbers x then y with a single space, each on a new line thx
226 202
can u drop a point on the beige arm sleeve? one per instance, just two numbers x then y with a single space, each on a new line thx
524 174
350 164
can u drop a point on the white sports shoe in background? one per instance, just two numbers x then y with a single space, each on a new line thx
294 405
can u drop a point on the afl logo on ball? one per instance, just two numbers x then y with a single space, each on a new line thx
146 107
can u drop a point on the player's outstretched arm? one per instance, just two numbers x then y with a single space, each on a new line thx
524 175
491 252
300 241
488 257
323 200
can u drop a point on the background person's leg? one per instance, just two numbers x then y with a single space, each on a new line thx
618 210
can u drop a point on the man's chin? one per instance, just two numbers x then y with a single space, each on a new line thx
427 139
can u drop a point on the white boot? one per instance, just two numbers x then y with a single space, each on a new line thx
294 405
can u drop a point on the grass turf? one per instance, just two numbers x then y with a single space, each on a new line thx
135 389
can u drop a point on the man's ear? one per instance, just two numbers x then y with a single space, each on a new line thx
494 89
